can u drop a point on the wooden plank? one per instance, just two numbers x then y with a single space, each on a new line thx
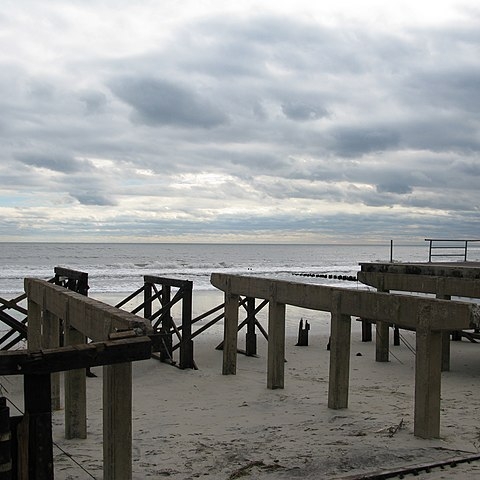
13 323
61 359
168 281
93 318
378 306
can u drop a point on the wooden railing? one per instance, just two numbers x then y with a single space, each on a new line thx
118 339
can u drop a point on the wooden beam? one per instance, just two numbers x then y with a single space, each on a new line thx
93 318
15 362
397 308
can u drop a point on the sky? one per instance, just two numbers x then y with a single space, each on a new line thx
239 121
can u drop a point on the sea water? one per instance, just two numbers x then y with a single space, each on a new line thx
120 267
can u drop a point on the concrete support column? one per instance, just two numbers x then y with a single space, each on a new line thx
117 422
75 391
445 340
445 351
230 340
427 383
382 348
276 345
339 372
382 338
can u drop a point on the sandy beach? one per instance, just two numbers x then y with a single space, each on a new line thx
200 424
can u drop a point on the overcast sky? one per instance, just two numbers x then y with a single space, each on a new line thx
224 121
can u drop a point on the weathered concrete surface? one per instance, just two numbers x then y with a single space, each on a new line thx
437 269
457 279
429 316
393 308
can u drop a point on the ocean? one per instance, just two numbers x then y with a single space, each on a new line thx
118 268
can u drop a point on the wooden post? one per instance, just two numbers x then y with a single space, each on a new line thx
51 339
75 391
147 300
396 336
276 344
427 382
230 339
34 332
186 344
166 326
117 422
251 336
339 371
38 417
5 441
366 330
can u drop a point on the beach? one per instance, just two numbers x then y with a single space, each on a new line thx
191 424
201 424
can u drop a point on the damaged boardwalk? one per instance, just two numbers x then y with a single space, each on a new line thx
429 317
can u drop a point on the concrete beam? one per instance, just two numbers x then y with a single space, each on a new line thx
395 308
460 287
470 270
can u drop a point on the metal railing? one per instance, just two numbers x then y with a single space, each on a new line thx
447 245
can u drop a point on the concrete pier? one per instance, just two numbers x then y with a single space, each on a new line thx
431 316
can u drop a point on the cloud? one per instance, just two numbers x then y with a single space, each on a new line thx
187 122
53 161
161 102
303 111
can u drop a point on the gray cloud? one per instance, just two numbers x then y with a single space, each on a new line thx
303 111
161 102
241 123
53 161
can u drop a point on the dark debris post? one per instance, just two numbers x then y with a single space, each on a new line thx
303 334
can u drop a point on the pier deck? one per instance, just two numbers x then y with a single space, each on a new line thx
461 279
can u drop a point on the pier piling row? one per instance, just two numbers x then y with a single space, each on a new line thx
428 316
444 280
